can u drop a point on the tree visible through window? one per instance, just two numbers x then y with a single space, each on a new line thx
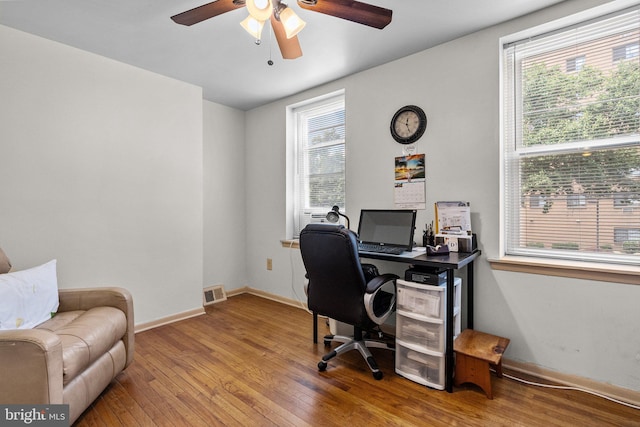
572 140
320 158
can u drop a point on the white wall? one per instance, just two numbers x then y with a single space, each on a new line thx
224 197
101 168
584 328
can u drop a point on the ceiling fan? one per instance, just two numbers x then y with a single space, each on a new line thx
279 14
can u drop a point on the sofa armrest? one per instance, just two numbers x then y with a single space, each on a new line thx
31 366
86 298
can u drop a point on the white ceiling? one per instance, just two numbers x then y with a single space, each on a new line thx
219 56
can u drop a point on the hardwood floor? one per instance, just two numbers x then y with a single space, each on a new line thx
251 362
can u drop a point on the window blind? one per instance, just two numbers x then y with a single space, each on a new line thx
571 140
320 159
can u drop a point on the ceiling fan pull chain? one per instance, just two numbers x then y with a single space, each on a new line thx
270 62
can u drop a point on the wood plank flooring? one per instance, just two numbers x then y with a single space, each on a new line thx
251 362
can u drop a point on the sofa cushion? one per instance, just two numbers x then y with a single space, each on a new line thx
60 320
28 297
85 336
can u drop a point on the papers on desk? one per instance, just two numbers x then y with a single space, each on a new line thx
418 250
453 225
453 218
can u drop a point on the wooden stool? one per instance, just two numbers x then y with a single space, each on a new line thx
475 352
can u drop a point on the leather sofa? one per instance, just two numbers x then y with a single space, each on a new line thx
72 357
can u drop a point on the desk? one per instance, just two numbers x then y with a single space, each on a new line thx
449 262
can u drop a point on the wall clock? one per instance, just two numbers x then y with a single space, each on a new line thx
408 124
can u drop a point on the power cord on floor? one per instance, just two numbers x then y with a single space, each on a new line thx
561 387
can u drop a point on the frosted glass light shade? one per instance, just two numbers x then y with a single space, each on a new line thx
291 22
253 26
261 10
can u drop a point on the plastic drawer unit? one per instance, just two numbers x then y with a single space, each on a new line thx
427 300
420 331
419 365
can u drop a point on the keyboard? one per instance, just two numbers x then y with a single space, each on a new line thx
382 249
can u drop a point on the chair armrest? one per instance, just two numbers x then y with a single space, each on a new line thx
31 367
86 298
379 307
378 281
370 271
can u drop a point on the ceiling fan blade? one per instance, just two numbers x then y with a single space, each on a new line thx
355 11
206 11
290 48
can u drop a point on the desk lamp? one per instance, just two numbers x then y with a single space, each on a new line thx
334 215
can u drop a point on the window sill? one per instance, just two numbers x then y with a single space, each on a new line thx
627 274
290 243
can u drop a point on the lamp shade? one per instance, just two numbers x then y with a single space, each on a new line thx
253 26
261 10
291 22
334 215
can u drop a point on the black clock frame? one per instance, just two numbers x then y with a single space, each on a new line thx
421 127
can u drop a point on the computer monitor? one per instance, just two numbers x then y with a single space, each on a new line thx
387 227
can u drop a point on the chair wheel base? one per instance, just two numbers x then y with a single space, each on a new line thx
377 375
322 366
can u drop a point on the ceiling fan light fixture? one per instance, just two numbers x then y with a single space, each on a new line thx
291 22
253 27
261 10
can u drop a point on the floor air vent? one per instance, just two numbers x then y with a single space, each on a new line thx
213 295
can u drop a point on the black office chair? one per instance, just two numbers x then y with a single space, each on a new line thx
341 289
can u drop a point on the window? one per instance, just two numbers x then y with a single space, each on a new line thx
576 63
536 201
571 141
627 51
319 145
576 200
626 201
622 235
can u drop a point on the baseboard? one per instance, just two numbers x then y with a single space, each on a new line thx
614 392
267 295
169 319
199 311
238 291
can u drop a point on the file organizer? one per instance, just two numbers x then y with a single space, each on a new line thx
420 331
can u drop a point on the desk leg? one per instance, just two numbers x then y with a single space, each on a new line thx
315 327
469 300
448 360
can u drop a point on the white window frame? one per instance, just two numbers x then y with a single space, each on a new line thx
505 248
300 213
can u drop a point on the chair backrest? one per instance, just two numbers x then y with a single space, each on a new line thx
336 281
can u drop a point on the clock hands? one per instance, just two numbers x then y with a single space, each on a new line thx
408 124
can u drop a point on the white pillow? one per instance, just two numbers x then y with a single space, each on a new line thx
28 297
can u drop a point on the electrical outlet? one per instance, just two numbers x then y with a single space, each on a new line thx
269 264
